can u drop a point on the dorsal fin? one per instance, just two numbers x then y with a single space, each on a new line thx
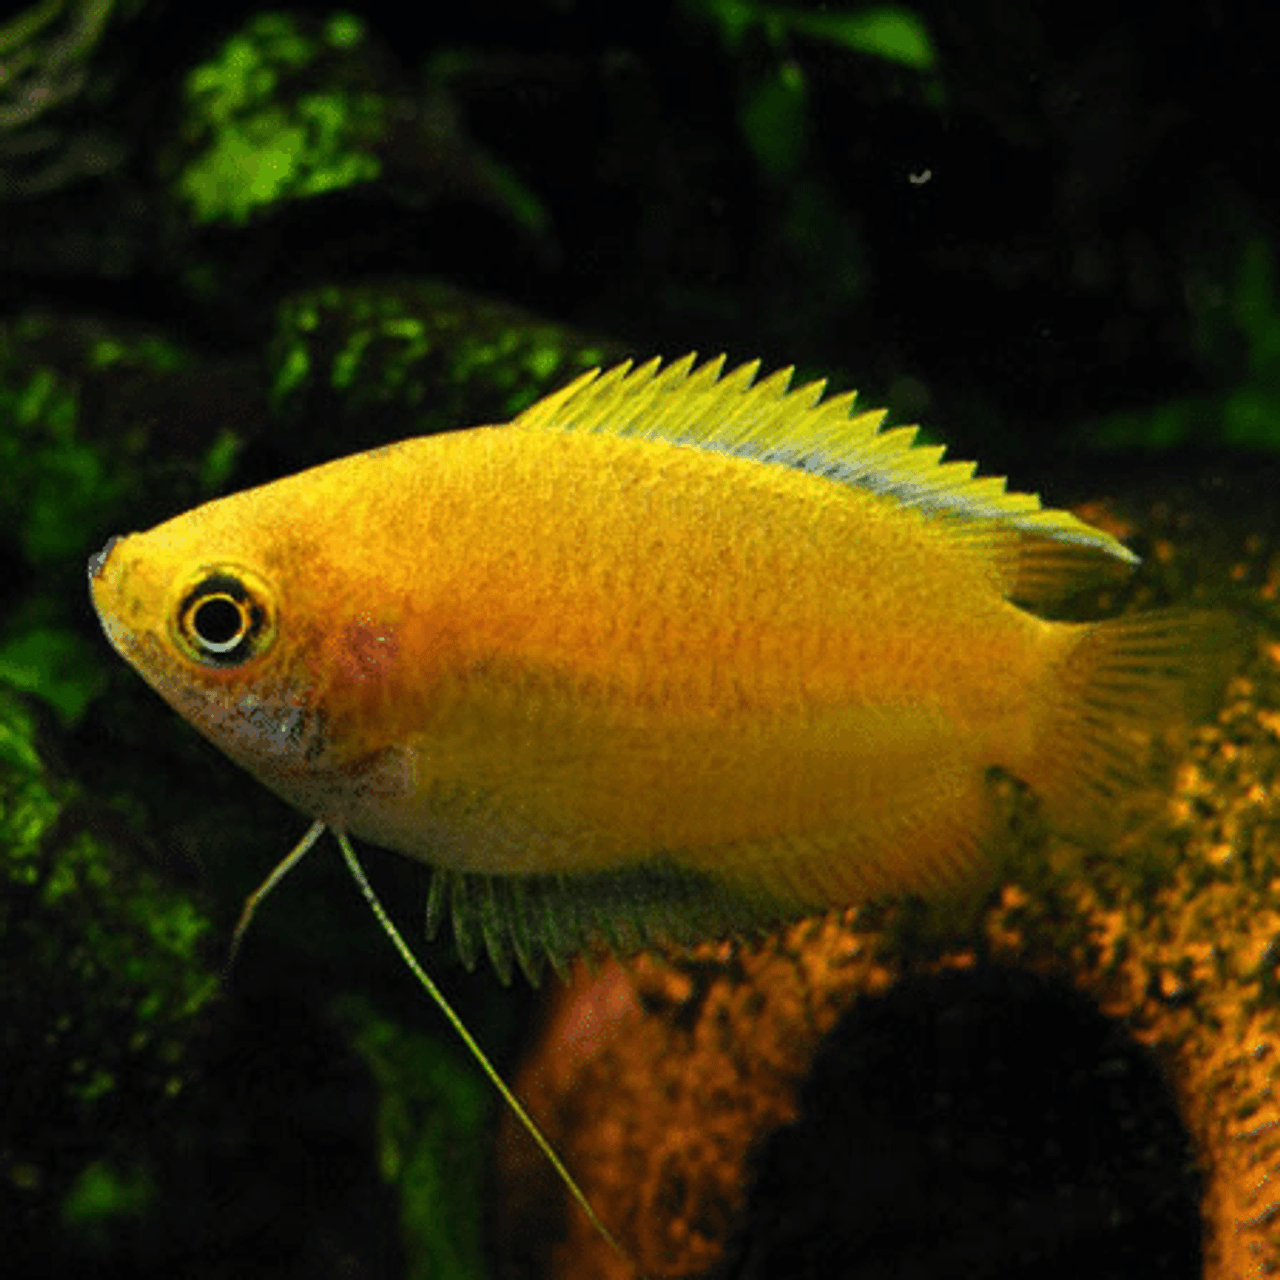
797 428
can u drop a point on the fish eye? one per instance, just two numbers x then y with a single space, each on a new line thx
224 619
218 623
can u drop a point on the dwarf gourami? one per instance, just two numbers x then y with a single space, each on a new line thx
673 654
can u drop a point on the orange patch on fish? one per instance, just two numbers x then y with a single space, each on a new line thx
369 649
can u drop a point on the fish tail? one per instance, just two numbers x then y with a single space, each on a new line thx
1115 705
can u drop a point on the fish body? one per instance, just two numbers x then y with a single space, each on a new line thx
668 635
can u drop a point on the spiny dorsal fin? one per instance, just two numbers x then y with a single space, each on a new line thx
765 421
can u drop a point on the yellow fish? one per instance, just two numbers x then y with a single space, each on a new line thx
673 653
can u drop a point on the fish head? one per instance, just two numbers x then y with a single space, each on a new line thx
200 607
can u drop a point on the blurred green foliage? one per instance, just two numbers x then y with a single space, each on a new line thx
817 236
891 32
1245 413
431 1119
252 144
101 1198
372 363
775 114
55 485
103 992
290 108
55 663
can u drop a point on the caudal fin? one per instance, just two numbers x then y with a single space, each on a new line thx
1119 692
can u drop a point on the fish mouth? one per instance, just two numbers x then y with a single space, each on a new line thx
98 563
144 654
105 595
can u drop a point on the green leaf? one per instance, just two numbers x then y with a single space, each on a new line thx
58 666
432 1109
890 33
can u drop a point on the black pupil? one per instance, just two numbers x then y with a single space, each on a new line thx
217 621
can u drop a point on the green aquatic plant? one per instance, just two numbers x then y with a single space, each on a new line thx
432 1114
103 1198
256 137
102 996
891 32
